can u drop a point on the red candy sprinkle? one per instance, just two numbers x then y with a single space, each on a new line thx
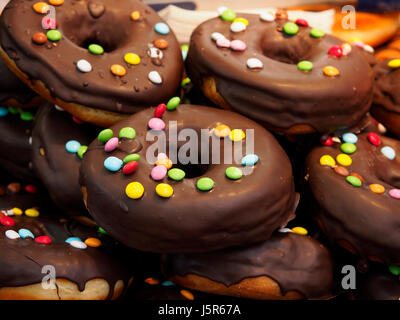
30 188
49 23
160 110
130 167
302 22
374 138
43 240
77 120
7 221
336 51
327 141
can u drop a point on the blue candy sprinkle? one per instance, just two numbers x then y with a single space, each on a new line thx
249 160
389 152
161 28
72 146
349 138
168 284
72 239
25 233
113 164
3 111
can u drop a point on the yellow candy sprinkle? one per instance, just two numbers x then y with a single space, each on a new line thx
331 71
134 190
237 135
118 70
327 160
164 190
344 160
222 131
132 58
33 213
17 211
394 63
56 2
41 7
135 15
355 40
164 162
300 230
377 188
93 242
243 20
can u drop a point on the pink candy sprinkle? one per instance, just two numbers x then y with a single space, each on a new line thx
158 172
223 43
302 22
111 144
156 124
238 45
395 193
49 23
162 155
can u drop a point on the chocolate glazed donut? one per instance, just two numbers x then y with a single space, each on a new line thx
87 272
57 168
357 200
274 91
233 212
94 92
286 266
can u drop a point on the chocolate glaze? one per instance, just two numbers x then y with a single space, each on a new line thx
21 260
81 26
296 263
379 286
58 169
13 88
280 95
368 221
191 220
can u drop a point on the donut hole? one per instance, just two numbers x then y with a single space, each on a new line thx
193 170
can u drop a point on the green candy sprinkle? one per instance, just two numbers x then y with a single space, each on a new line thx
184 50
205 184
26 116
291 28
53 35
12 110
173 103
395 270
228 15
234 173
101 230
127 132
348 148
105 135
131 157
305 65
316 33
354 181
96 49
176 174
81 151
185 81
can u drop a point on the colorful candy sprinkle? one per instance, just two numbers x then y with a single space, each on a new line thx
105 135
249 160
7 221
127 133
228 15
164 162
305 65
330 71
290 28
130 167
238 27
25 233
302 22
160 110
41 7
346 49
168 283
233 173
49 23
341 171
43 240
355 182
155 77
349 137
222 131
281 14
336 51
317 33
374 138
238 45
68 240
187 294
95 49
237 135
395 270
39 38
327 140
131 157
348 148
164 190
267 16
93 242
135 15
11 234
377 188
242 20
26 116
84 66
156 124
176 174
132 58
254 63
355 174
161 28
33 213
158 172
388 152
161 44
394 193
113 164
216 35
72 146
118 70
81 151
344 160
205 184
17 211
151 281
53 35
78 244
56 2
394 63
223 43
184 50
30 188
111 144
162 155
300 230
327 160
173 103
134 190
3 111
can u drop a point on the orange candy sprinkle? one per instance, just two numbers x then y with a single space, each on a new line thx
39 38
93 242
161 44
187 294
164 162
354 174
377 188
118 70
56 2
331 71
152 281
41 7
222 131
135 15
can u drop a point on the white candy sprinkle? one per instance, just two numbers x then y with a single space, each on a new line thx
84 66
382 128
267 16
285 230
221 10
58 108
78 244
30 140
254 63
11 234
155 77
154 52
216 35
238 26
368 48
336 139
9 212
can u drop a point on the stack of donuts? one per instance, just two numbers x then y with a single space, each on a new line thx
236 166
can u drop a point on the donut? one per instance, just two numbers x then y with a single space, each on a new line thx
199 206
354 192
15 141
391 50
56 140
103 61
386 103
379 285
31 238
287 266
289 77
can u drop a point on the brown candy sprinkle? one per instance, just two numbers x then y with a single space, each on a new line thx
39 38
